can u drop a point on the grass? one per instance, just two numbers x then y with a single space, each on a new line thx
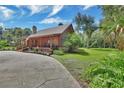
77 63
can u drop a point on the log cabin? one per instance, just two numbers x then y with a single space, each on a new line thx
51 37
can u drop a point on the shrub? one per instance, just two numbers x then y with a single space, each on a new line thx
109 73
72 42
58 52
35 50
8 49
3 43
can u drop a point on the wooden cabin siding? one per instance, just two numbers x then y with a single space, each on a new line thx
44 41
54 40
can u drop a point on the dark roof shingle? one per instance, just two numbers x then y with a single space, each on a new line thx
51 31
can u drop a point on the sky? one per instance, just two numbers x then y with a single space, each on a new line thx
44 16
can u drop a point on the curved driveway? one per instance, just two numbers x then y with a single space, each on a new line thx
19 69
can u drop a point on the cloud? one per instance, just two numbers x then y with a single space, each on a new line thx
6 12
53 20
1 24
20 7
56 9
86 7
36 9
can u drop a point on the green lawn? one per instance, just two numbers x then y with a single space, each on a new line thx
77 63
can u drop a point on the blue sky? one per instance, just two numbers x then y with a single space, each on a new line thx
44 16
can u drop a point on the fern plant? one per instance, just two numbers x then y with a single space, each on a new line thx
107 74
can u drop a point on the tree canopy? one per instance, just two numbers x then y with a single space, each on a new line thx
86 24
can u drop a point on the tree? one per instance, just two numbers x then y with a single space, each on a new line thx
97 39
26 31
72 42
87 24
16 35
60 24
1 29
18 32
113 22
78 21
120 42
34 29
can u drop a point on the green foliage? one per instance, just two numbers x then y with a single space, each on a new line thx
87 24
58 52
113 24
109 73
8 48
78 63
15 35
35 50
27 32
97 39
72 42
111 28
3 43
1 31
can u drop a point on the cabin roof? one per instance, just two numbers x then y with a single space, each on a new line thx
51 31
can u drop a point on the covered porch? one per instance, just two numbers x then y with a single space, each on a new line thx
51 41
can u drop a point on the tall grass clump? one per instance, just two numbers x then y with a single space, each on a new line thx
109 73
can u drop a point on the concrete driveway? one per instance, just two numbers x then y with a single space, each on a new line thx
23 70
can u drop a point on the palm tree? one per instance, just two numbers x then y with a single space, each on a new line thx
113 21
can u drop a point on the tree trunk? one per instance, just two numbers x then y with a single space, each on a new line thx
88 43
116 32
